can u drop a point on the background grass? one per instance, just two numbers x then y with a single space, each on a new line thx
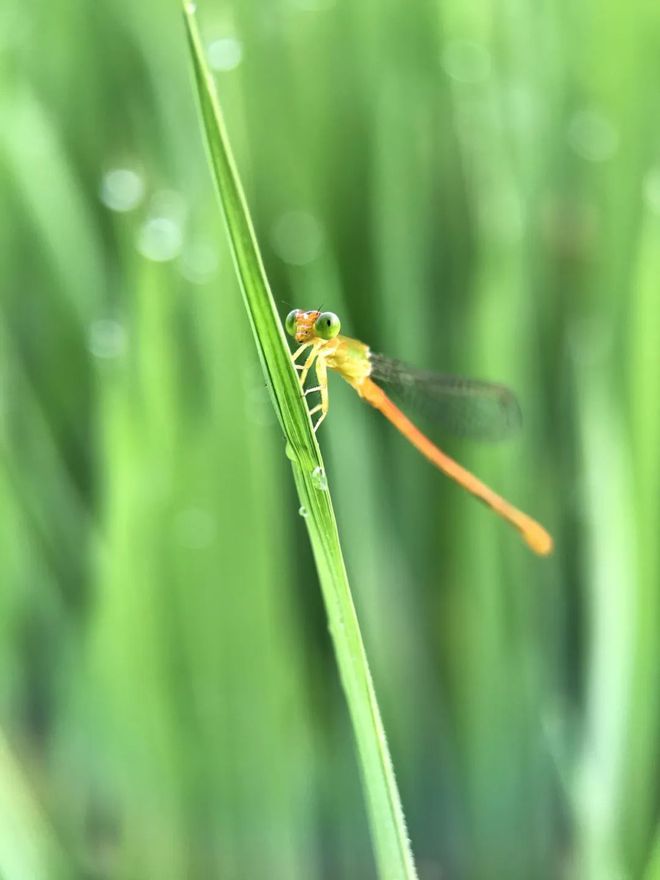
473 187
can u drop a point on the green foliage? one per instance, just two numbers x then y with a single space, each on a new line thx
387 822
471 187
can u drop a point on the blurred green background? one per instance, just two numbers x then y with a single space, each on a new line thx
473 187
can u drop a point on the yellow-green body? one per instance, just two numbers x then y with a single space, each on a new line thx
348 357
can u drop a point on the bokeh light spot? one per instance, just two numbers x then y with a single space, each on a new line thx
592 136
199 262
122 189
106 338
652 189
225 54
297 238
466 61
159 239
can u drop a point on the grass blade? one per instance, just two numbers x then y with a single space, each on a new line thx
28 847
391 845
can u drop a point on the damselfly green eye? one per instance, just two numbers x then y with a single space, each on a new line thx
291 321
327 325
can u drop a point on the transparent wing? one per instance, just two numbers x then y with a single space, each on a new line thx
463 407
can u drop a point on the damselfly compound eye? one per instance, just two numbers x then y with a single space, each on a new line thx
291 321
327 325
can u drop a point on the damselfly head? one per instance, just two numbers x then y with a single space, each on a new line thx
305 326
300 325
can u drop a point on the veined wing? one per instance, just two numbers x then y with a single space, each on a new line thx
463 407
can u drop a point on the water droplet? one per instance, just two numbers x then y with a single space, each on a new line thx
466 62
302 511
106 339
160 239
225 54
319 479
297 238
191 8
592 136
122 189
290 453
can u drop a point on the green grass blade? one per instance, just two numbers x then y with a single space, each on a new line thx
391 844
29 849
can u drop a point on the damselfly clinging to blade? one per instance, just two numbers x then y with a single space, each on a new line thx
465 406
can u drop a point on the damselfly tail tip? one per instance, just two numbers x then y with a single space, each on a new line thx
538 539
